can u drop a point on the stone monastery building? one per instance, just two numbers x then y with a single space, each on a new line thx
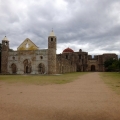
29 59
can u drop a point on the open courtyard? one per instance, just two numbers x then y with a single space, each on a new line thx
59 97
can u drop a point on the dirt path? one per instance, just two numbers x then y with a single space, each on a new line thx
87 98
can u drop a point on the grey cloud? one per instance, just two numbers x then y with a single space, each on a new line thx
81 22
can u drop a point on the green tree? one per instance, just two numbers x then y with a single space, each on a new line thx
112 65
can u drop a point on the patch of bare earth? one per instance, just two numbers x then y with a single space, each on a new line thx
87 98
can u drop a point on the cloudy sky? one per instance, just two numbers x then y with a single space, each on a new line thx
90 25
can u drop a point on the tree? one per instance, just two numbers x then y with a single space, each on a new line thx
112 65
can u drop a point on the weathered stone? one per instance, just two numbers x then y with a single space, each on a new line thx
45 61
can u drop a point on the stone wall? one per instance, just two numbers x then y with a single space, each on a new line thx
30 59
98 61
52 40
71 62
4 56
93 65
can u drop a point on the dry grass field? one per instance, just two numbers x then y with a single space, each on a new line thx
112 79
41 79
76 96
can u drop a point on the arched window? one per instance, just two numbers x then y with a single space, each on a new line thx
27 66
14 68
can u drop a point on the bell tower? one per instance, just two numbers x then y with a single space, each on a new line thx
0 55
52 39
4 55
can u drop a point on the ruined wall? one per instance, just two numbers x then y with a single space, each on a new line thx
32 59
93 65
98 61
64 65
71 62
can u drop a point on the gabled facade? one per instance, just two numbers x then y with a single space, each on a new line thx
27 45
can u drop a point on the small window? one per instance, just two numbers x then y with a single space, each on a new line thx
51 39
66 56
41 57
79 56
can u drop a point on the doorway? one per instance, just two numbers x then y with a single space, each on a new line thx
92 68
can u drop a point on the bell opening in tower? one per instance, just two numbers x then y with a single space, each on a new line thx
51 39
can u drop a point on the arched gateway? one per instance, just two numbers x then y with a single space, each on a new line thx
14 68
41 68
93 68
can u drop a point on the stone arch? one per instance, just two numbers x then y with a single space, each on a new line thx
41 68
14 68
92 67
27 66
78 67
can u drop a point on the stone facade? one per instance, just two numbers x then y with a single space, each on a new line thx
4 56
28 62
29 59
52 54
97 62
72 61
0 55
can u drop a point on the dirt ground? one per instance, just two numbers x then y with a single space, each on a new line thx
87 98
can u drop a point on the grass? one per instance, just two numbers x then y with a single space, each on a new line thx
41 79
112 79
